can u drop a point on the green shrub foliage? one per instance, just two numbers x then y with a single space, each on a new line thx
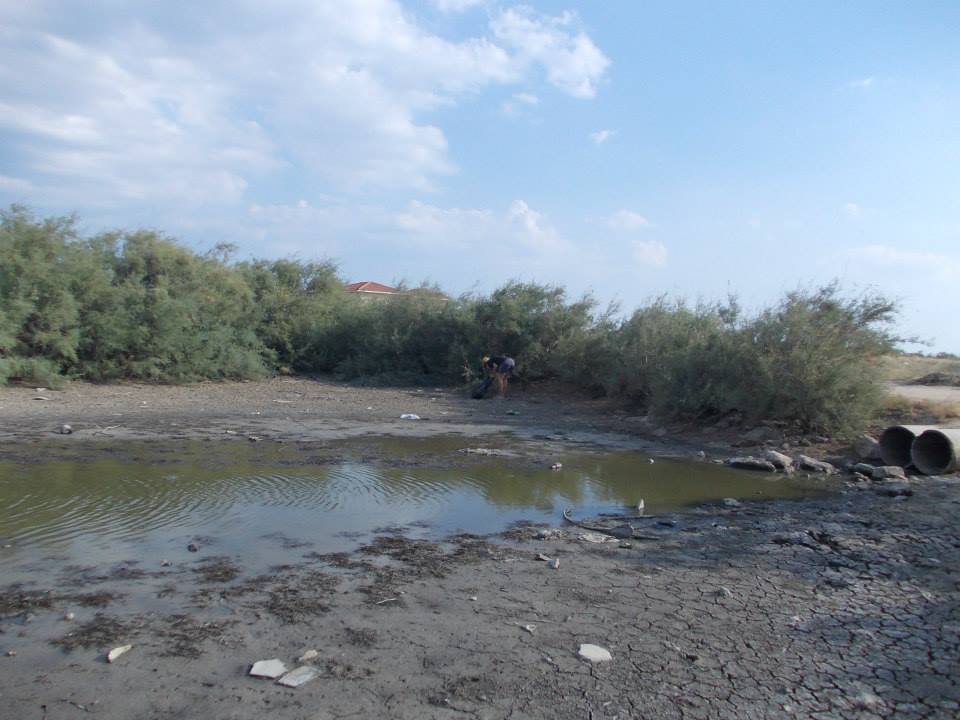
139 305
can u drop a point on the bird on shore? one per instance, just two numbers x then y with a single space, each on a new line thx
640 507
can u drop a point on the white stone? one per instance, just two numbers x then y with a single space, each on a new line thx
301 676
595 653
308 655
268 669
117 652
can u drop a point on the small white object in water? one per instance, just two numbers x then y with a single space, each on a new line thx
268 668
652 461
556 466
409 416
68 616
640 506
301 676
117 652
595 653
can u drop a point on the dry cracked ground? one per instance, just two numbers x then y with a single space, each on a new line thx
841 607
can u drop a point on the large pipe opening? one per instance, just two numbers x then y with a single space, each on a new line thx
934 452
896 441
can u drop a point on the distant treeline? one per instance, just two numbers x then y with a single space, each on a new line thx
137 305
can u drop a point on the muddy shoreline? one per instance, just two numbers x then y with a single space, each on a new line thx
847 606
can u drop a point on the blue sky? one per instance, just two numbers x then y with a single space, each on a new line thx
623 148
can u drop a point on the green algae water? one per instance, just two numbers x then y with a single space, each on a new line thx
103 504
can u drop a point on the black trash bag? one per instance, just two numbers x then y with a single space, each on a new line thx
482 388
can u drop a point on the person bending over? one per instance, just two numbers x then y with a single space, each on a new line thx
500 368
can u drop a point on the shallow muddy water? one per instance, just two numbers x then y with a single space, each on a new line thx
260 501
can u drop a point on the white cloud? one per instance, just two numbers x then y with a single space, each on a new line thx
650 252
862 82
601 136
134 104
15 185
907 260
853 209
455 5
572 62
519 104
628 220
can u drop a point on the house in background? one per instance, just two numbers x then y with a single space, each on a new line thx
370 289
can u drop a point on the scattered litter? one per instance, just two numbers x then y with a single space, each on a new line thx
595 653
117 652
625 544
731 502
68 616
300 676
651 461
165 563
529 628
39 389
231 432
545 558
641 506
409 416
473 598
386 601
550 533
308 656
556 466
65 429
282 401
254 438
598 538
554 564
723 592
40 397
268 668
11 653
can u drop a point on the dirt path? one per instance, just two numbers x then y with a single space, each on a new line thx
846 607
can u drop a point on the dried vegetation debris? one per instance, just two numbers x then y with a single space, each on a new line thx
100 632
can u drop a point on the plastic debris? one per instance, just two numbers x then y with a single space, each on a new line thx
117 652
556 466
68 616
64 429
301 676
555 563
308 656
268 668
597 538
529 628
595 653
409 416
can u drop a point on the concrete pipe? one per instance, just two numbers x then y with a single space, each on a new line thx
896 441
934 451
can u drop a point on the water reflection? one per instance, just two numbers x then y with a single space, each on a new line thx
115 507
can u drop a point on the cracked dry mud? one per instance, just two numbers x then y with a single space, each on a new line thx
845 607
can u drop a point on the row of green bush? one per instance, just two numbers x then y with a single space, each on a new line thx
139 305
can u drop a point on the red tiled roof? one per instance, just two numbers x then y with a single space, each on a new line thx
370 286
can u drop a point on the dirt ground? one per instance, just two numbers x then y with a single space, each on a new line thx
839 607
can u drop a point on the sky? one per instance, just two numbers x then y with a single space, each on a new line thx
622 148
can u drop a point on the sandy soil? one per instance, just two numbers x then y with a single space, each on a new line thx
845 607
934 393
